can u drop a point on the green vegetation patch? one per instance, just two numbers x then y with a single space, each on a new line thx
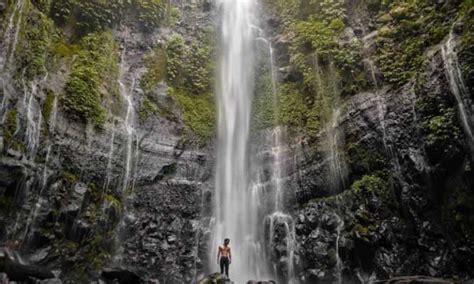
407 29
93 78
199 112
156 64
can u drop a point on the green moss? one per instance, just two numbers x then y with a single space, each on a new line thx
155 62
199 112
369 183
70 177
93 79
9 130
147 108
34 43
412 28
176 53
150 13
10 125
113 200
48 105
64 49
293 111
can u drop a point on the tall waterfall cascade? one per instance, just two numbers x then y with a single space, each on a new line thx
233 203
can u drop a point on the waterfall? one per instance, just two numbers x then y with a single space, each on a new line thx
10 36
458 88
235 88
127 94
51 129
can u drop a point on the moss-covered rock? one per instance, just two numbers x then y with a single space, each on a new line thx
199 112
93 78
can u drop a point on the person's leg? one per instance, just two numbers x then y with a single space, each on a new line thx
222 263
227 267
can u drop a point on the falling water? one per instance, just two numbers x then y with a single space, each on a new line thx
278 218
382 112
127 94
337 166
108 172
51 129
33 116
10 37
339 264
235 89
38 204
458 88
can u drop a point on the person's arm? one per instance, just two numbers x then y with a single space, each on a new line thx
230 256
218 254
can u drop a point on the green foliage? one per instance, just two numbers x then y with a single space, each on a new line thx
176 53
199 67
93 78
98 15
10 128
42 5
293 111
466 47
156 65
409 28
199 112
150 13
147 108
69 177
441 130
370 183
48 105
64 49
34 43
189 72
262 106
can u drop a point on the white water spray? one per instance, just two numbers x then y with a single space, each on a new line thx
235 89
129 123
458 88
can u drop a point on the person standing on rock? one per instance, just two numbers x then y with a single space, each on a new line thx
224 257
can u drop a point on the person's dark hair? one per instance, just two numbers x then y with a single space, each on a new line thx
226 240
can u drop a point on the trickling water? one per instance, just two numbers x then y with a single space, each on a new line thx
10 37
339 264
382 112
337 166
51 129
458 88
127 94
235 89
33 118
108 173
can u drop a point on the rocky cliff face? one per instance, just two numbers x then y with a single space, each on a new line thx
383 186
108 137
110 181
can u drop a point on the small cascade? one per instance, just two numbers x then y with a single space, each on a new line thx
458 87
334 135
108 172
337 166
339 265
382 113
10 37
282 231
51 129
39 200
129 122
278 220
